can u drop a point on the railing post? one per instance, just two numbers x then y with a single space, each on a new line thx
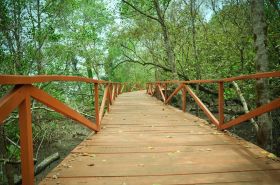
120 88
115 90
110 94
184 94
123 86
26 155
221 103
96 105
165 90
108 98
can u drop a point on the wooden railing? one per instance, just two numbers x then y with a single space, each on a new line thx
161 88
20 97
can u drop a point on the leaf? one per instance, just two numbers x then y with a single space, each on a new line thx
264 152
272 156
93 155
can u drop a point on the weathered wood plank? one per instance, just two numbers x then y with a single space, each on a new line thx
143 141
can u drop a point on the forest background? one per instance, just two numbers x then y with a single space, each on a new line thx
136 42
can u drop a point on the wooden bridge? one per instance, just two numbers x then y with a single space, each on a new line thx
143 141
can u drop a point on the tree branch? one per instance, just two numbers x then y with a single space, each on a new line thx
140 11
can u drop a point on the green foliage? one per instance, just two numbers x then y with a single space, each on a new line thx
112 41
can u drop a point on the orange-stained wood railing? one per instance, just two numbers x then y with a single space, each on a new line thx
20 97
158 87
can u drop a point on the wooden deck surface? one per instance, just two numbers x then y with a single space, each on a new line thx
144 142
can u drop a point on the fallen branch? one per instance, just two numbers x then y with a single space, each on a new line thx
46 162
42 165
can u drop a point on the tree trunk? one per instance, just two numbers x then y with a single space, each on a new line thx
264 134
167 43
195 54
39 41
17 30
244 104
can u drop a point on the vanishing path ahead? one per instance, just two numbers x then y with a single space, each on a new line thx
144 142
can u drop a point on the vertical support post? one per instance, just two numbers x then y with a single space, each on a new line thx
184 94
115 90
110 93
26 149
108 98
165 91
221 103
120 88
96 105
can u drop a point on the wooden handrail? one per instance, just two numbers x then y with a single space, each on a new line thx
242 77
183 86
20 97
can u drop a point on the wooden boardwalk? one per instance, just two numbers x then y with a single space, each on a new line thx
144 142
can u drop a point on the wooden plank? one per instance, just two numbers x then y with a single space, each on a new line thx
26 144
112 93
96 105
184 99
165 146
174 93
161 93
273 74
253 113
21 79
221 103
104 100
203 107
60 107
11 100
233 178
